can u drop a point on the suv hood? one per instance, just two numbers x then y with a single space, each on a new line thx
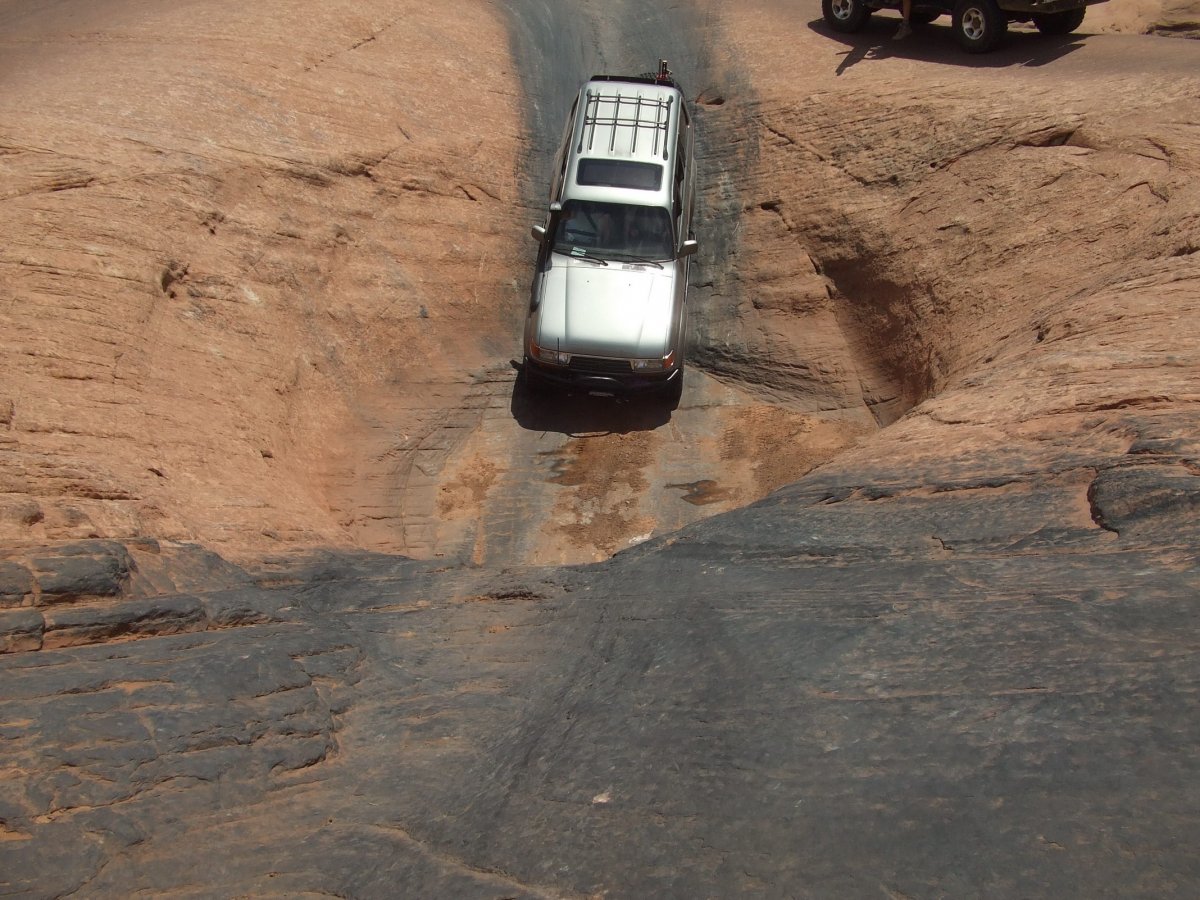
618 310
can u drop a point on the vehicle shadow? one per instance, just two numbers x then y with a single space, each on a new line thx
577 413
934 43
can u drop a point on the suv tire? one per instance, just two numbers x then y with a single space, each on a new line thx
535 385
1061 22
673 392
979 25
846 16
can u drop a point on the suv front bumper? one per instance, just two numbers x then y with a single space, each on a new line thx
597 383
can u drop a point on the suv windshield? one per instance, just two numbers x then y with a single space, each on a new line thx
614 230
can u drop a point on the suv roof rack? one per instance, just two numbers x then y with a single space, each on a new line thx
663 77
638 113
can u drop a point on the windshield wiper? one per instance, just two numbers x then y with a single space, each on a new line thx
580 253
642 259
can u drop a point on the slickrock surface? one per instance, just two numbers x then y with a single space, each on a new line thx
1176 17
265 290
284 608
243 246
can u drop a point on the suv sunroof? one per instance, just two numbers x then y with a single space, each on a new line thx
619 174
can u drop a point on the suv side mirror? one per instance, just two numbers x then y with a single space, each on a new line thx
688 247
539 233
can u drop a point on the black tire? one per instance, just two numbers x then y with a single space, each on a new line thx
1060 23
979 25
846 16
673 392
923 17
534 384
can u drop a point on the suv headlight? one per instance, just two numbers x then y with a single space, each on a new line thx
548 356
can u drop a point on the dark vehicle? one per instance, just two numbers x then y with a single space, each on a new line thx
979 25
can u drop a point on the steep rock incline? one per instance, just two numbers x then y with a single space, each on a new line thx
266 293
959 659
243 245
963 216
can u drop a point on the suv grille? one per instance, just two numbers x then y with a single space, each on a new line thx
600 366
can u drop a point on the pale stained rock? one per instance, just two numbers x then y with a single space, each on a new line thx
1178 17
19 515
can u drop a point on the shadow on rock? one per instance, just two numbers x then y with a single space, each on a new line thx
935 43
577 413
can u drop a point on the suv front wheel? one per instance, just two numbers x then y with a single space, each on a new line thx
847 16
979 25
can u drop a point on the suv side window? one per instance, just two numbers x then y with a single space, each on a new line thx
679 190
563 156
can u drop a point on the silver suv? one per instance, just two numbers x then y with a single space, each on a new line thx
608 310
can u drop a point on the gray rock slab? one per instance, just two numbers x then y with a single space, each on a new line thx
1158 502
74 624
697 717
16 584
245 606
20 630
84 569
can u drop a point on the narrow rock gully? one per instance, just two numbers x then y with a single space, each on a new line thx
570 479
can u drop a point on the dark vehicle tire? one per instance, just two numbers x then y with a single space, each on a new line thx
846 16
673 392
535 385
923 17
1060 23
979 25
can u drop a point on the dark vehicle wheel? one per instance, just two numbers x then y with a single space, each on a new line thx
1060 23
535 385
673 392
979 25
923 16
846 16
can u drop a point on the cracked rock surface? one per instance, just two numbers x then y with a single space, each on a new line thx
301 595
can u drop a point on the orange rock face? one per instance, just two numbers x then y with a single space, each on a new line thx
1010 247
247 254
264 271
262 278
